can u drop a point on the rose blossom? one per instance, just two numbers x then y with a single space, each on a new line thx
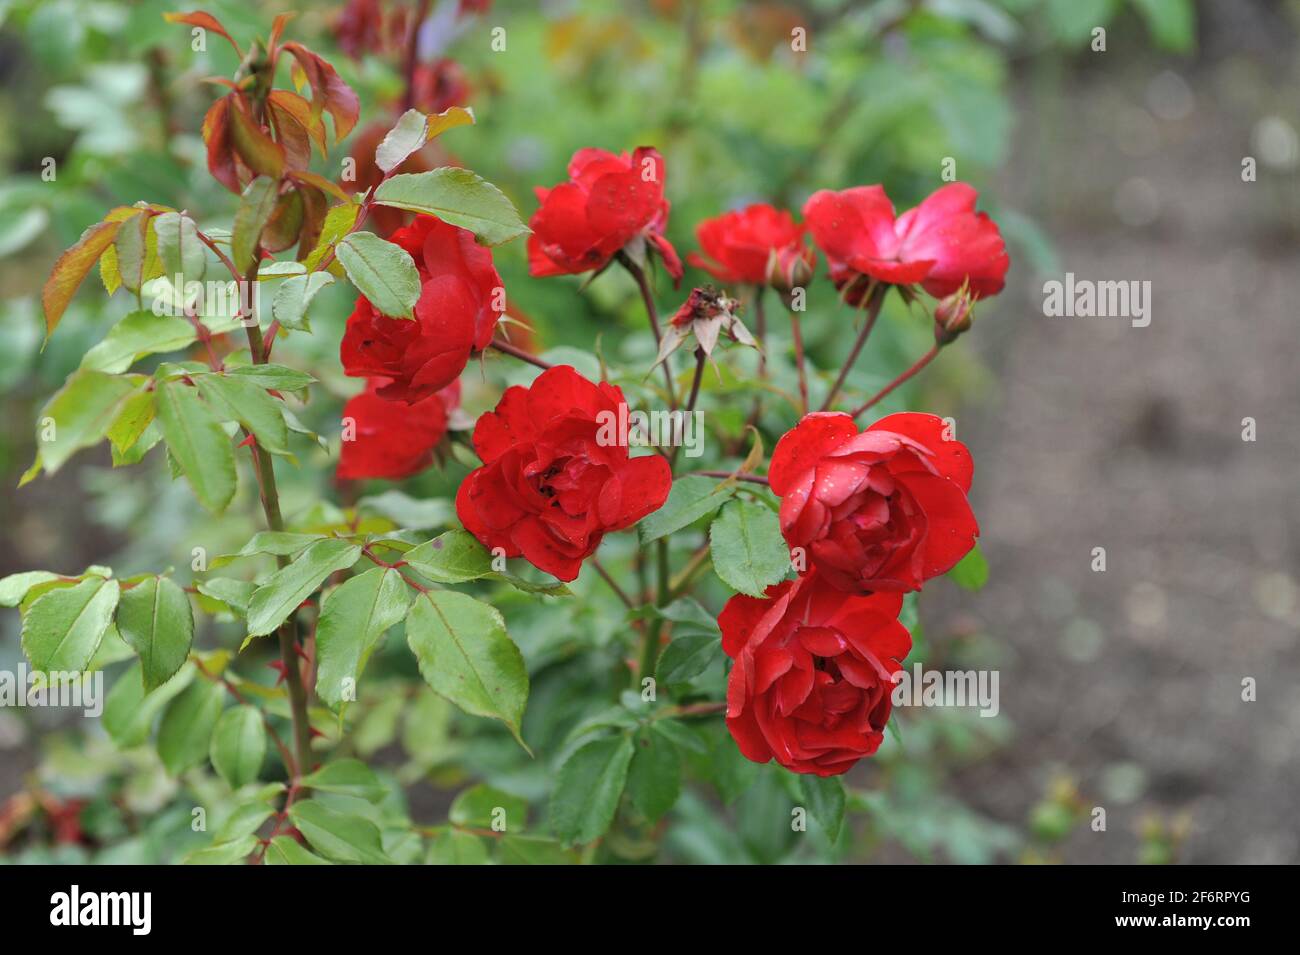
884 509
939 244
739 246
460 303
393 440
549 489
813 673
609 201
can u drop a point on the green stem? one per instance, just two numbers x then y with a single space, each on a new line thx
288 632
652 313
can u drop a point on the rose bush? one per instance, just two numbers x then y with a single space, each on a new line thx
645 624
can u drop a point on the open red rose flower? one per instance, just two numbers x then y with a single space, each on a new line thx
455 316
940 244
813 673
552 484
740 246
884 509
391 439
609 201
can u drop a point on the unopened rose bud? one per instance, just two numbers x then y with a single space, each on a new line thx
953 315
790 268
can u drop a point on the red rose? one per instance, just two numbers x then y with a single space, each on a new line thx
813 673
940 244
393 440
741 244
551 485
455 316
608 202
882 510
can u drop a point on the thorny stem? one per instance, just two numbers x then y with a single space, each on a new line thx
875 298
700 359
920 363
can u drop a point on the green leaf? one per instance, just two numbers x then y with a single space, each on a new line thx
135 415
825 799
276 543
588 788
156 620
235 594
238 399
244 821
691 498
382 272
337 836
353 617
14 587
238 745
452 847
466 656
972 571
187 724
687 657
486 807
228 853
136 335
79 414
338 223
293 298
179 248
279 377
457 196
198 444
255 208
534 850
285 850
450 558
654 777
748 551
289 586
129 712
412 130
62 627
348 777
130 249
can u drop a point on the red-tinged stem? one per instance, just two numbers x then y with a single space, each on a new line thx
749 478
875 298
613 584
515 352
920 363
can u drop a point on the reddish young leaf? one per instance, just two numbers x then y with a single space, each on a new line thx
258 150
289 105
71 268
205 21
328 91
315 207
216 134
320 182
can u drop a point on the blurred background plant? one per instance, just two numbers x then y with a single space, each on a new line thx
110 97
